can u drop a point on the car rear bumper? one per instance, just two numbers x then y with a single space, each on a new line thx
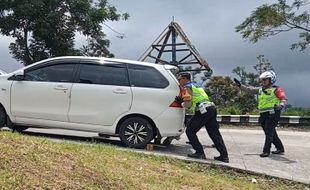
170 123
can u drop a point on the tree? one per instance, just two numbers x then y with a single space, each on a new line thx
45 29
247 102
246 78
249 78
221 90
269 20
262 64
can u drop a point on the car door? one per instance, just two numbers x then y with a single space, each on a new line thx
100 94
149 88
44 92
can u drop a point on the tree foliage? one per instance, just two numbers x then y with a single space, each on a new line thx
269 20
250 78
245 101
246 78
222 90
43 29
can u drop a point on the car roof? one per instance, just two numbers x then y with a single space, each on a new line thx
2 72
100 59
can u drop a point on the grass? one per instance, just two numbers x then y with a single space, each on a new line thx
38 163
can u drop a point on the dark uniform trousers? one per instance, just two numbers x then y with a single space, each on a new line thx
209 121
269 123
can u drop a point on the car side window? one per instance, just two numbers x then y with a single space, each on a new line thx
144 76
51 73
106 74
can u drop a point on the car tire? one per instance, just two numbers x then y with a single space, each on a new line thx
2 117
136 132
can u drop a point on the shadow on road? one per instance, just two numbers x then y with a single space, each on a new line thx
283 159
280 158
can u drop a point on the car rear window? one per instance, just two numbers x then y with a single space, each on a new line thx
148 77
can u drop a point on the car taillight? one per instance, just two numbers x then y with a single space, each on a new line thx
174 104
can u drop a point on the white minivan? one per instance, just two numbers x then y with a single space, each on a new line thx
116 97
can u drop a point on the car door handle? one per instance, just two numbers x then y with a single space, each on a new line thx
119 91
60 88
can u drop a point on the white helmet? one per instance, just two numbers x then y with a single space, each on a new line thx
269 74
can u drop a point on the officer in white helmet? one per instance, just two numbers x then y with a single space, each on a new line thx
271 100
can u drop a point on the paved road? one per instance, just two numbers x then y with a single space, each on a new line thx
244 147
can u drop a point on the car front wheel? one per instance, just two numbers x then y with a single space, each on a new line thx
136 132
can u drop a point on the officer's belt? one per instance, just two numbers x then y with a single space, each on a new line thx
207 103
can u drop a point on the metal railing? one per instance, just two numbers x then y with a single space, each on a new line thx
255 119
228 119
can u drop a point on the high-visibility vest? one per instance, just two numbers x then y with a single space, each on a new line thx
198 96
267 100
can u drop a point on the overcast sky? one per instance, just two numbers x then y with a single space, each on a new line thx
210 27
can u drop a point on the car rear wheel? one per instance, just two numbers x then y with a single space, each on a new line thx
2 117
136 132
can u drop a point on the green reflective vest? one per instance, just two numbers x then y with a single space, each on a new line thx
198 96
267 101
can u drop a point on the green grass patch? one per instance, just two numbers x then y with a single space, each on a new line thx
38 163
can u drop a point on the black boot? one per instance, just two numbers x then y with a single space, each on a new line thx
197 155
264 154
222 159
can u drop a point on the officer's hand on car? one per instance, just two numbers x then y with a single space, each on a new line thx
178 99
238 83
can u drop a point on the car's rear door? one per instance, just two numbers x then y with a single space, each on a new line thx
44 92
100 94
150 93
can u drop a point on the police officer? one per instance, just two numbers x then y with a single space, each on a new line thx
205 115
271 100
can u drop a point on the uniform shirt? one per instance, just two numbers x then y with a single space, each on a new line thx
279 92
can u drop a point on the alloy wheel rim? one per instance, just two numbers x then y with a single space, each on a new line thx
135 133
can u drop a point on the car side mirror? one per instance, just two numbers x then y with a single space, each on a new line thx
19 75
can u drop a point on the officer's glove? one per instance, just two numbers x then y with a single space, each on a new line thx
238 83
278 108
178 99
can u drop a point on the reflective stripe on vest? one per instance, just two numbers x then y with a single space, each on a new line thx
198 96
267 101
